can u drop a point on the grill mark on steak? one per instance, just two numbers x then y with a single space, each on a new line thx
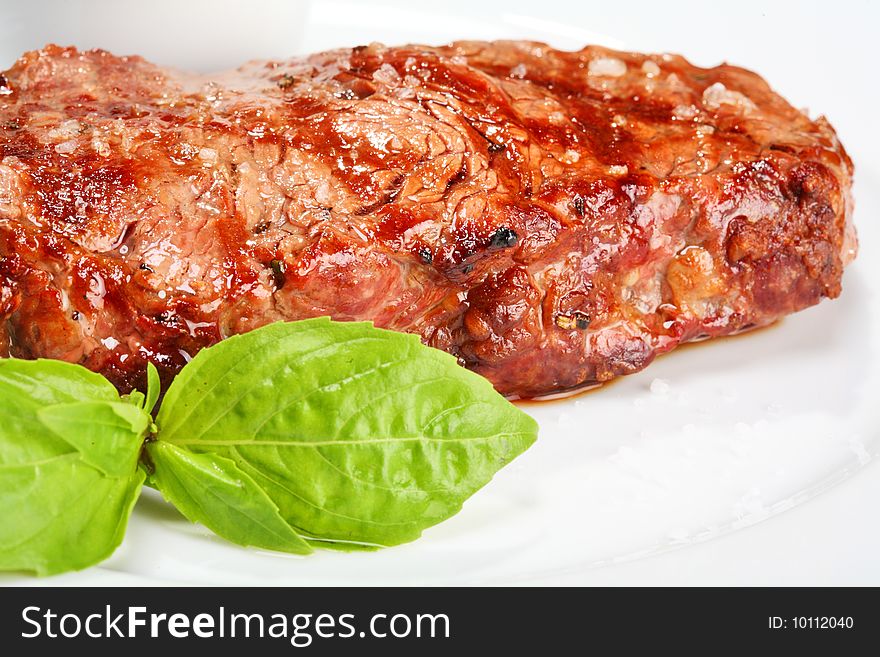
553 219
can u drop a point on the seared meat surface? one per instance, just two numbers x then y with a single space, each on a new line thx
553 219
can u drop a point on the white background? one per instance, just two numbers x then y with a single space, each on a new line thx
798 404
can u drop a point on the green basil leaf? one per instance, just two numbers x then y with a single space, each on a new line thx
135 398
62 514
26 386
59 511
357 434
210 489
153 388
108 435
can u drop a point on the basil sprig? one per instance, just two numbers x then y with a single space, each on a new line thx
296 435
69 475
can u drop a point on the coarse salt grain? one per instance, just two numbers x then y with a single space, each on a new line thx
717 95
387 75
65 130
65 147
659 387
684 112
101 147
607 66
650 68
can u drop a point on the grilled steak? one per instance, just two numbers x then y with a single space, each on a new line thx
553 219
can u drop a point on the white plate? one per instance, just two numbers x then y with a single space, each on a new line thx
709 440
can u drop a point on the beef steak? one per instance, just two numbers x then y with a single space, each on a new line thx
553 219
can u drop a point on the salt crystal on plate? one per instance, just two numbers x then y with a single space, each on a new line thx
659 387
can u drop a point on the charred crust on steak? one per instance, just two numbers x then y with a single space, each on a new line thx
503 238
576 320
278 273
166 317
286 81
